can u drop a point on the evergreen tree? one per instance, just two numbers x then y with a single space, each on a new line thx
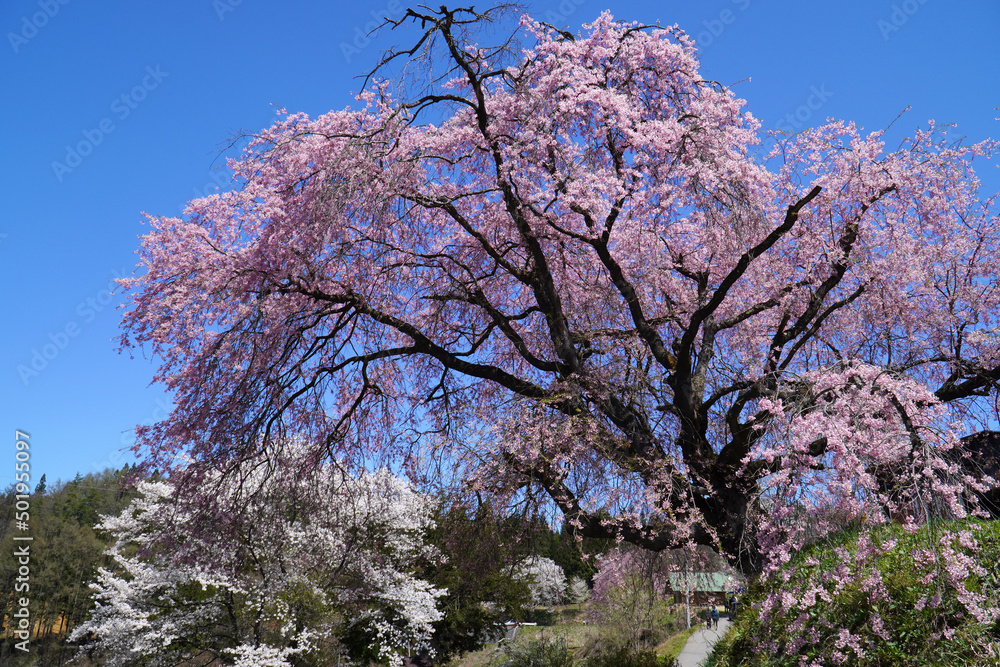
65 553
40 489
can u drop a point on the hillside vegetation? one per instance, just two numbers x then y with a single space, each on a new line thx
894 612
65 552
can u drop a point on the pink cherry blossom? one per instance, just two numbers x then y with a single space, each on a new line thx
584 275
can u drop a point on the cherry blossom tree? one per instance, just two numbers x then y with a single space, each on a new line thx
577 590
583 273
546 580
632 599
308 562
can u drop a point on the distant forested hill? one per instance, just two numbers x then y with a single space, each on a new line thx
65 553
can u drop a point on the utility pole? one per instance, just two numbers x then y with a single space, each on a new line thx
687 592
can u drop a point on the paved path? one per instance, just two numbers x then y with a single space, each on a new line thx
700 643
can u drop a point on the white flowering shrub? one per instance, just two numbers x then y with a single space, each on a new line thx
308 560
546 580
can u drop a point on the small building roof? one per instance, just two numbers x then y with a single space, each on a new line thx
702 582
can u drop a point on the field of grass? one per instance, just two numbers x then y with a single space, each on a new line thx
573 629
670 649
576 635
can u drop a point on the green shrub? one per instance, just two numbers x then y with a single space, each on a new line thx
623 656
541 651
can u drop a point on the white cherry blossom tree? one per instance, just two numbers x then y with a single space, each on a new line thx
546 580
309 561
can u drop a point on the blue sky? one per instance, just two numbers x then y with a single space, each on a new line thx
114 108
